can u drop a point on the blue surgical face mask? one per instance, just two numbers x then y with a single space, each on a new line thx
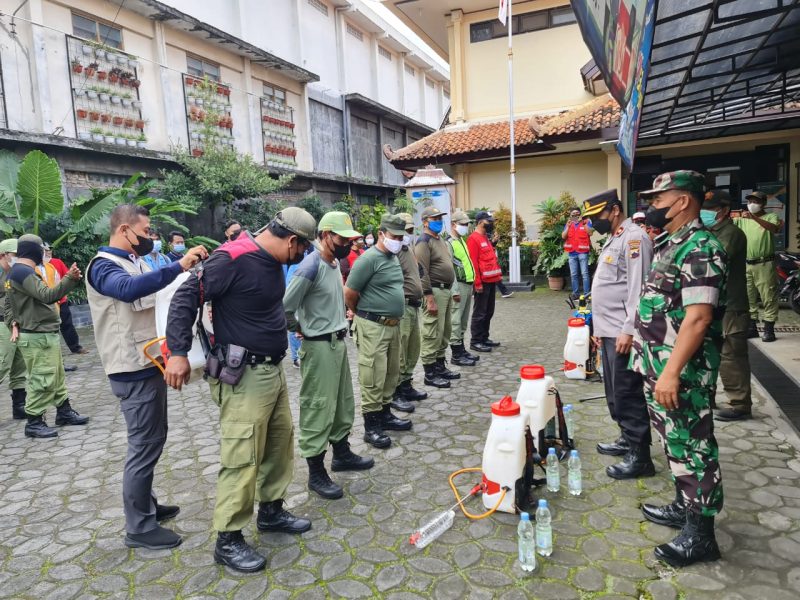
179 247
435 226
708 217
156 245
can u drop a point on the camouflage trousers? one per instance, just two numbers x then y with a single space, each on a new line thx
687 435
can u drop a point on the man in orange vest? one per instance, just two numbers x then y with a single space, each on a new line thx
577 244
487 276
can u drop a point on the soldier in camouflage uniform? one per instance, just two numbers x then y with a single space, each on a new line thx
676 348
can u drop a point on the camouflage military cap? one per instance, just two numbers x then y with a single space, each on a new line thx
688 181
717 199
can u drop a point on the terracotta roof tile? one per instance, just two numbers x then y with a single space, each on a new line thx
601 113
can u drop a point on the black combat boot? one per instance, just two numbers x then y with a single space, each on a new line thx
460 357
618 448
392 423
232 551
636 463
433 378
491 343
769 332
469 354
695 543
752 330
409 393
18 403
400 403
444 372
66 415
319 481
273 517
36 427
479 346
670 515
373 431
345 459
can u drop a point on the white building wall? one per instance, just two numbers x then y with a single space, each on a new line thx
389 89
412 107
431 96
321 53
359 73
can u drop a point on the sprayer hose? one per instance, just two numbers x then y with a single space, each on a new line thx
468 514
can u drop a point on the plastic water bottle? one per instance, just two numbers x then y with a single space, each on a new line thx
527 543
553 472
544 530
570 420
574 473
433 529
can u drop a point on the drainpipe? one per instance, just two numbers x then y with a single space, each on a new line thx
342 83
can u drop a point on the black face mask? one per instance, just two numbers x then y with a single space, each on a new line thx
341 252
602 226
657 217
235 234
144 245
488 228
297 258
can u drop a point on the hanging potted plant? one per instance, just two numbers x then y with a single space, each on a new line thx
97 134
91 93
189 80
113 75
108 137
104 95
117 120
86 49
105 118
77 67
94 115
131 140
197 152
82 113
102 75
140 124
129 123
91 69
134 83
119 139
84 136
141 141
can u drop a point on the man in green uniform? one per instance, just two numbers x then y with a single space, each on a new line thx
437 275
314 305
462 289
31 311
409 325
676 347
760 228
734 368
374 293
11 362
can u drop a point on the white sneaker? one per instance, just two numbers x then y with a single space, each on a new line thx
508 294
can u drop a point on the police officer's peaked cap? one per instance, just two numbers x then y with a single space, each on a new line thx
431 211
760 196
408 219
394 224
460 217
599 202
687 181
339 223
297 221
716 199
9 245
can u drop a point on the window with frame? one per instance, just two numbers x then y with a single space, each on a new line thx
275 94
384 53
202 68
523 23
320 6
356 33
97 31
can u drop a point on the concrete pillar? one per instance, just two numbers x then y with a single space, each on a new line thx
254 139
455 35
41 77
401 65
461 195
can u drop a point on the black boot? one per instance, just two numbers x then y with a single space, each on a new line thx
392 423
273 517
409 393
444 372
18 403
433 378
469 354
752 330
636 463
460 357
769 332
373 431
400 403
66 415
491 343
695 543
345 459
479 346
232 551
617 448
319 481
36 427
670 515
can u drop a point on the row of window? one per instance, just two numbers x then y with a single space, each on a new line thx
523 23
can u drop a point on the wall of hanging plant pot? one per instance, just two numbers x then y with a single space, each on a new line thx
208 113
105 94
277 130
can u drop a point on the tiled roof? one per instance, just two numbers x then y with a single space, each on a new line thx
458 141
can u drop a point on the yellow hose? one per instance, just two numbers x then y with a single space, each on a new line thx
153 359
468 514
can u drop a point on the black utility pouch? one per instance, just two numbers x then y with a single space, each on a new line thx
214 363
234 365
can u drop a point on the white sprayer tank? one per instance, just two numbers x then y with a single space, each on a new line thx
576 350
536 405
504 454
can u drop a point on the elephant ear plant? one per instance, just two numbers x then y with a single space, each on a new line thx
29 191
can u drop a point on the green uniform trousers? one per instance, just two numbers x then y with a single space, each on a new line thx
47 384
734 368
687 435
409 343
256 445
436 328
11 362
378 363
326 395
461 310
762 282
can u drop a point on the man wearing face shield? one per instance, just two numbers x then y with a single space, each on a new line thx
622 265
676 347
244 282
314 305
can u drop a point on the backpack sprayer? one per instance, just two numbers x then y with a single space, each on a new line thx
580 354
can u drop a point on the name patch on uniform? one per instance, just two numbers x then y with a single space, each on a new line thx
634 248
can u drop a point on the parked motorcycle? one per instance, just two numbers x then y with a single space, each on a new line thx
787 265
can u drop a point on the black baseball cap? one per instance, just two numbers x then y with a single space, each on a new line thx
483 215
717 199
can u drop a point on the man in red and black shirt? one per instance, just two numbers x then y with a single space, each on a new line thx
487 276
67 328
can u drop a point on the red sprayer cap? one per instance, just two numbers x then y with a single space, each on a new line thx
505 407
532 372
576 322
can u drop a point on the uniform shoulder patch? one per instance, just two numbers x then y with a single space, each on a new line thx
634 248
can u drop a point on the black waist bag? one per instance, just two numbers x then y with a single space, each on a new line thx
235 363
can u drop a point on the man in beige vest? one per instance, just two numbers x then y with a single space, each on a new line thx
121 290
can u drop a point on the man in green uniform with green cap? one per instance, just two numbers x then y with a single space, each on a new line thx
462 289
314 305
676 347
31 313
11 362
374 293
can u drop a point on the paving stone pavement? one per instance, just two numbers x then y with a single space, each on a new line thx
61 520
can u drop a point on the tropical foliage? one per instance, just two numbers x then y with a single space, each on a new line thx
29 191
553 215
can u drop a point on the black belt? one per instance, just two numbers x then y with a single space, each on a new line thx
412 302
760 261
380 319
260 359
32 331
326 337
442 286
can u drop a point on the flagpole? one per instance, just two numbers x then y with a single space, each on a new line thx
513 257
